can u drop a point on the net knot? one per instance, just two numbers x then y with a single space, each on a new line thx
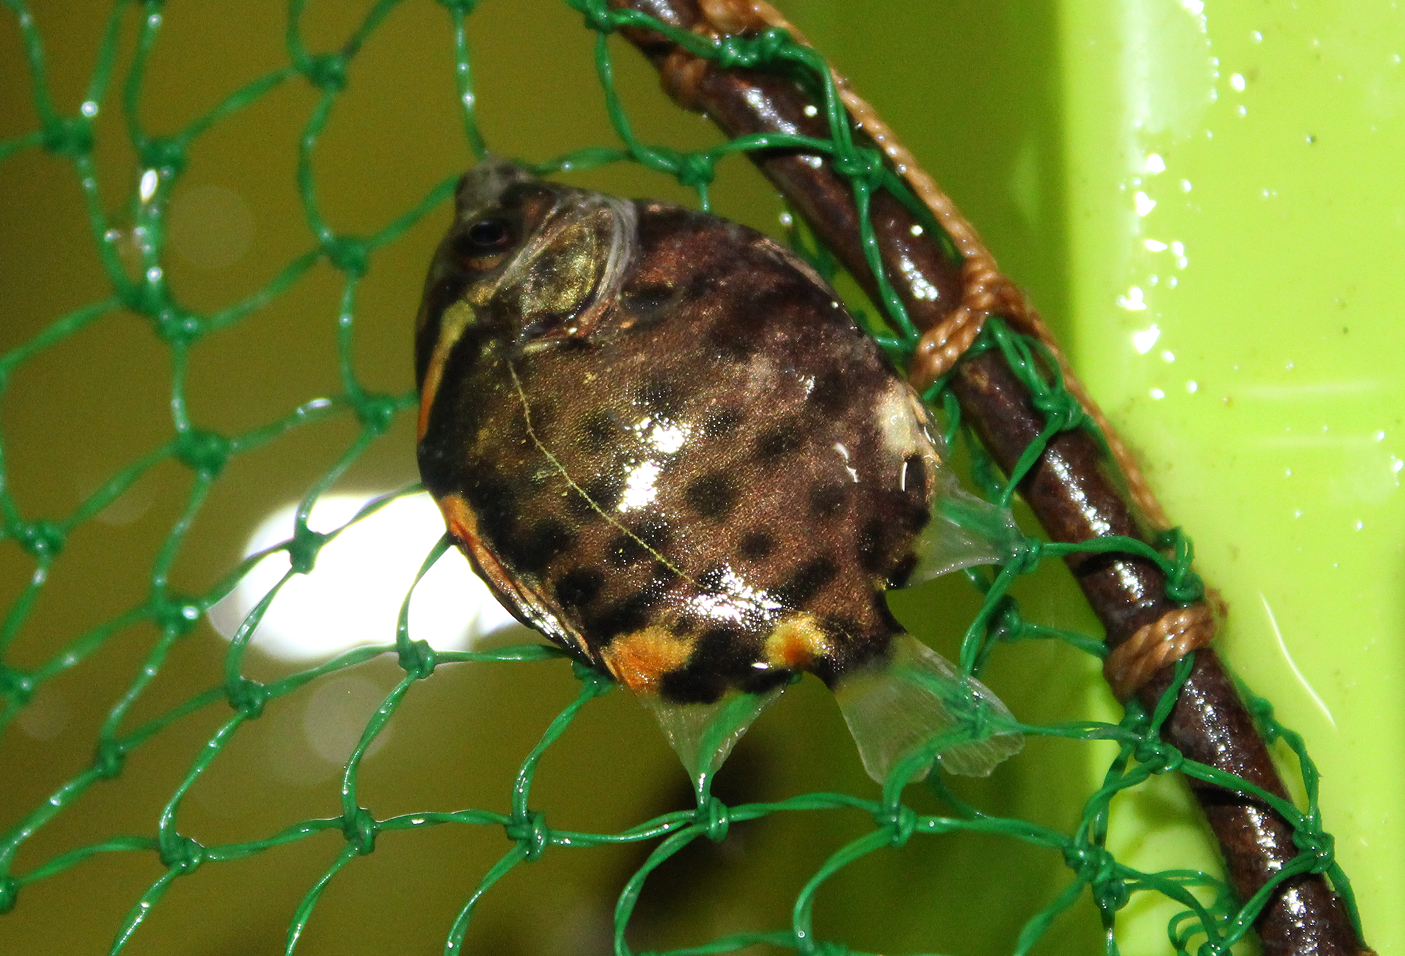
326 71
530 833
376 412
174 615
735 52
178 329
1025 555
360 829
1313 841
587 674
1094 865
347 253
162 153
180 852
1158 756
694 170
203 452
1006 624
247 696
70 136
716 817
418 659
599 18
901 821
1182 584
16 685
9 894
41 538
862 166
109 758
303 548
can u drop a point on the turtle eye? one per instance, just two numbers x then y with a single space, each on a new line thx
484 244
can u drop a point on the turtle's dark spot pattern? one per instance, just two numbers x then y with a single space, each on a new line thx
622 617
625 549
827 498
712 495
720 424
806 582
914 475
779 442
660 396
597 432
605 491
544 541
579 586
757 546
902 571
653 531
495 504
830 394
648 305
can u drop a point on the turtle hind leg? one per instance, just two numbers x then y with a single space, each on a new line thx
914 698
704 734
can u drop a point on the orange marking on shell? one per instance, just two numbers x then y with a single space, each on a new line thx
639 660
459 517
796 642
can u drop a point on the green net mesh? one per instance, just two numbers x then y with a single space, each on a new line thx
170 705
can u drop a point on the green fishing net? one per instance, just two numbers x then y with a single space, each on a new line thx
156 785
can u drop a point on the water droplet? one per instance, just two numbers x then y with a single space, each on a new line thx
1256 36
1155 245
1168 356
1156 393
89 109
1145 204
1155 164
149 181
1236 80
916 230
1192 386
1143 341
1133 302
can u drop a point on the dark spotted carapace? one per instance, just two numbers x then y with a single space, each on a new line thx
664 443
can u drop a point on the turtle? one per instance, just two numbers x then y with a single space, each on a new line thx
663 441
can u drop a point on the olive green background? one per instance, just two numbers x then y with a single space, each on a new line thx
1267 410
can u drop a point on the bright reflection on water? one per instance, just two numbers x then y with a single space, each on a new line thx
353 595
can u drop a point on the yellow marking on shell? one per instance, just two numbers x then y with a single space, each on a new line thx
456 318
639 660
797 641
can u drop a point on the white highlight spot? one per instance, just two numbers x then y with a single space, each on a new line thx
1155 245
1155 164
1157 394
1168 356
149 181
1236 80
89 109
1144 340
1145 204
352 596
639 487
1133 302
1192 386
